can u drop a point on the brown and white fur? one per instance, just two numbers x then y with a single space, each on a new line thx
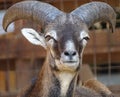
58 77
64 38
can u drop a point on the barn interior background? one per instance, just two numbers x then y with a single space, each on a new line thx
20 61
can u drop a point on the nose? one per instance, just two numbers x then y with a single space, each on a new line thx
70 53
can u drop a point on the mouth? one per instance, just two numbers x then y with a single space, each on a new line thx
67 65
69 61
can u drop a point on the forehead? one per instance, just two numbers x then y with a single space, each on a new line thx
67 31
67 25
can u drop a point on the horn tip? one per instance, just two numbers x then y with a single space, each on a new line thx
5 27
5 23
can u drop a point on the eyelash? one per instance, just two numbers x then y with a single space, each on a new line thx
48 37
86 38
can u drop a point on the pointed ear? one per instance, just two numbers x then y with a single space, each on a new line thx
33 37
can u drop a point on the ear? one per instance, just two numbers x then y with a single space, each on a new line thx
33 37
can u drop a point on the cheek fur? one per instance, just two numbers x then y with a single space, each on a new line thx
56 51
53 45
50 43
82 45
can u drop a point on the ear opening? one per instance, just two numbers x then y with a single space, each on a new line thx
33 37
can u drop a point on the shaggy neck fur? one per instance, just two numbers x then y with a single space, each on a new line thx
53 83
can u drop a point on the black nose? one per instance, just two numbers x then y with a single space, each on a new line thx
70 53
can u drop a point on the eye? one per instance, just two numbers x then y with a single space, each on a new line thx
83 41
84 35
51 35
48 37
86 38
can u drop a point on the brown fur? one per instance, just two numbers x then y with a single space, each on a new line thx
47 85
91 88
98 87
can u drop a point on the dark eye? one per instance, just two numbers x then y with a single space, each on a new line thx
86 38
48 37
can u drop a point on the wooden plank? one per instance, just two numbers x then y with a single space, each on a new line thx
2 76
56 4
114 3
12 77
11 48
69 6
12 81
2 80
23 75
101 58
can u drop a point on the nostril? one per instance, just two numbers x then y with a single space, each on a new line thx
66 53
70 53
74 53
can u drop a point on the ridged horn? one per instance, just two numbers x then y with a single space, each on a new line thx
37 11
94 12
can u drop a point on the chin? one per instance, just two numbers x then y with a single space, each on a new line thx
67 66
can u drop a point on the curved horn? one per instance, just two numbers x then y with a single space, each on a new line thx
35 10
96 11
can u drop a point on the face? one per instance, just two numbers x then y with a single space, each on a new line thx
66 41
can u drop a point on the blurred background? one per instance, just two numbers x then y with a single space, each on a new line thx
21 61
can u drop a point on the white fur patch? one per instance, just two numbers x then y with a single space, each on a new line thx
52 33
84 42
32 36
69 46
65 80
83 34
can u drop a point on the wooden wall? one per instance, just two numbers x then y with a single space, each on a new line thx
66 5
69 5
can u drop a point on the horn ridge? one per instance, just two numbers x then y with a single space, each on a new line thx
94 12
37 11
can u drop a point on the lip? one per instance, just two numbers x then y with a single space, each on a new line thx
70 62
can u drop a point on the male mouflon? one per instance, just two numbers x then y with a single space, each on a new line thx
65 37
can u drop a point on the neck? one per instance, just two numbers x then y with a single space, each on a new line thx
67 82
52 83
